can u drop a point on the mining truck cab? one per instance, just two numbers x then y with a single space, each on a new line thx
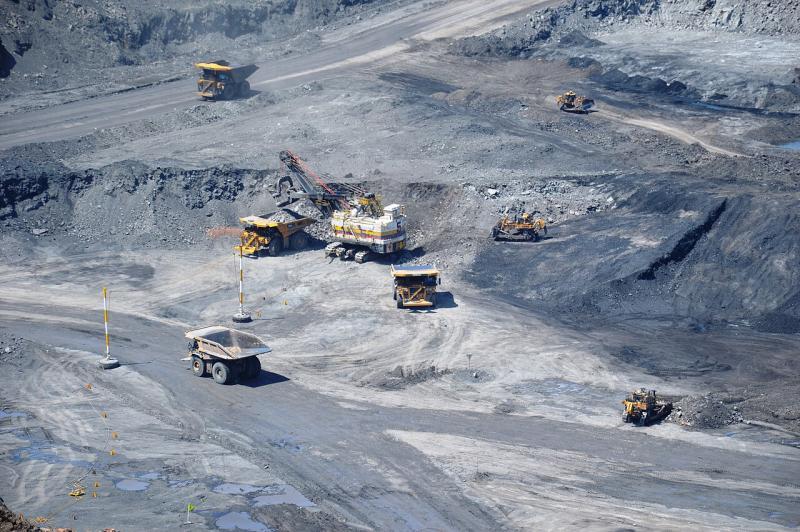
415 286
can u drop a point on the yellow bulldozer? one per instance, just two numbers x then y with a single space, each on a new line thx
219 80
642 407
522 227
263 233
570 102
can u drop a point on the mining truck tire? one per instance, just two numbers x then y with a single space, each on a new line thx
298 241
275 246
222 373
198 366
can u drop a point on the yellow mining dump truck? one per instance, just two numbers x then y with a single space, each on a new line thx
524 227
227 354
367 230
572 103
415 286
643 408
219 80
263 233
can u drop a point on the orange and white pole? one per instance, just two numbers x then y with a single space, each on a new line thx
241 316
107 362
241 283
105 320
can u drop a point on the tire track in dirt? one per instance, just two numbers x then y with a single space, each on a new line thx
669 130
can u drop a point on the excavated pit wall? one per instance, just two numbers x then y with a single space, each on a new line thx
714 51
46 45
614 245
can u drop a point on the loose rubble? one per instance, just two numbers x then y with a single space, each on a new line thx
705 412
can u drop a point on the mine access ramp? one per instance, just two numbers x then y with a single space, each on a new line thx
415 286
227 354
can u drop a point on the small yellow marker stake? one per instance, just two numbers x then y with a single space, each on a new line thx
189 508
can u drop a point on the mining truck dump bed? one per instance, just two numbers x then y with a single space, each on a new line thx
226 353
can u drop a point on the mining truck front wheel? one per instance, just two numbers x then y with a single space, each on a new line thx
198 366
275 246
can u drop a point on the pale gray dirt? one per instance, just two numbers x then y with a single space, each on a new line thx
668 263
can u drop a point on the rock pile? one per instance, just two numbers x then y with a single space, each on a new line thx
306 208
16 523
705 412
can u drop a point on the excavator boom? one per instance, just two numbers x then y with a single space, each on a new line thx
304 183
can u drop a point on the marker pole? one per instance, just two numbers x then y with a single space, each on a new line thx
107 362
241 316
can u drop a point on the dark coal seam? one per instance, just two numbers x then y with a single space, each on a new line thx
685 245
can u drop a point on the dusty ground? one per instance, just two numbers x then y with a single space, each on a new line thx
668 264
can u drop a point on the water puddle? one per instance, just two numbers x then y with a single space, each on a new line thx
179 483
42 448
130 484
282 495
266 495
150 476
557 388
236 489
794 145
240 521
5 415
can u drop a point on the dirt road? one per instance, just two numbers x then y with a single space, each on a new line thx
368 43
667 129
417 456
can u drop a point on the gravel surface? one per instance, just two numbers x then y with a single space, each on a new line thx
668 262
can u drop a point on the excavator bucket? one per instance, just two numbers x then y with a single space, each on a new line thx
283 189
